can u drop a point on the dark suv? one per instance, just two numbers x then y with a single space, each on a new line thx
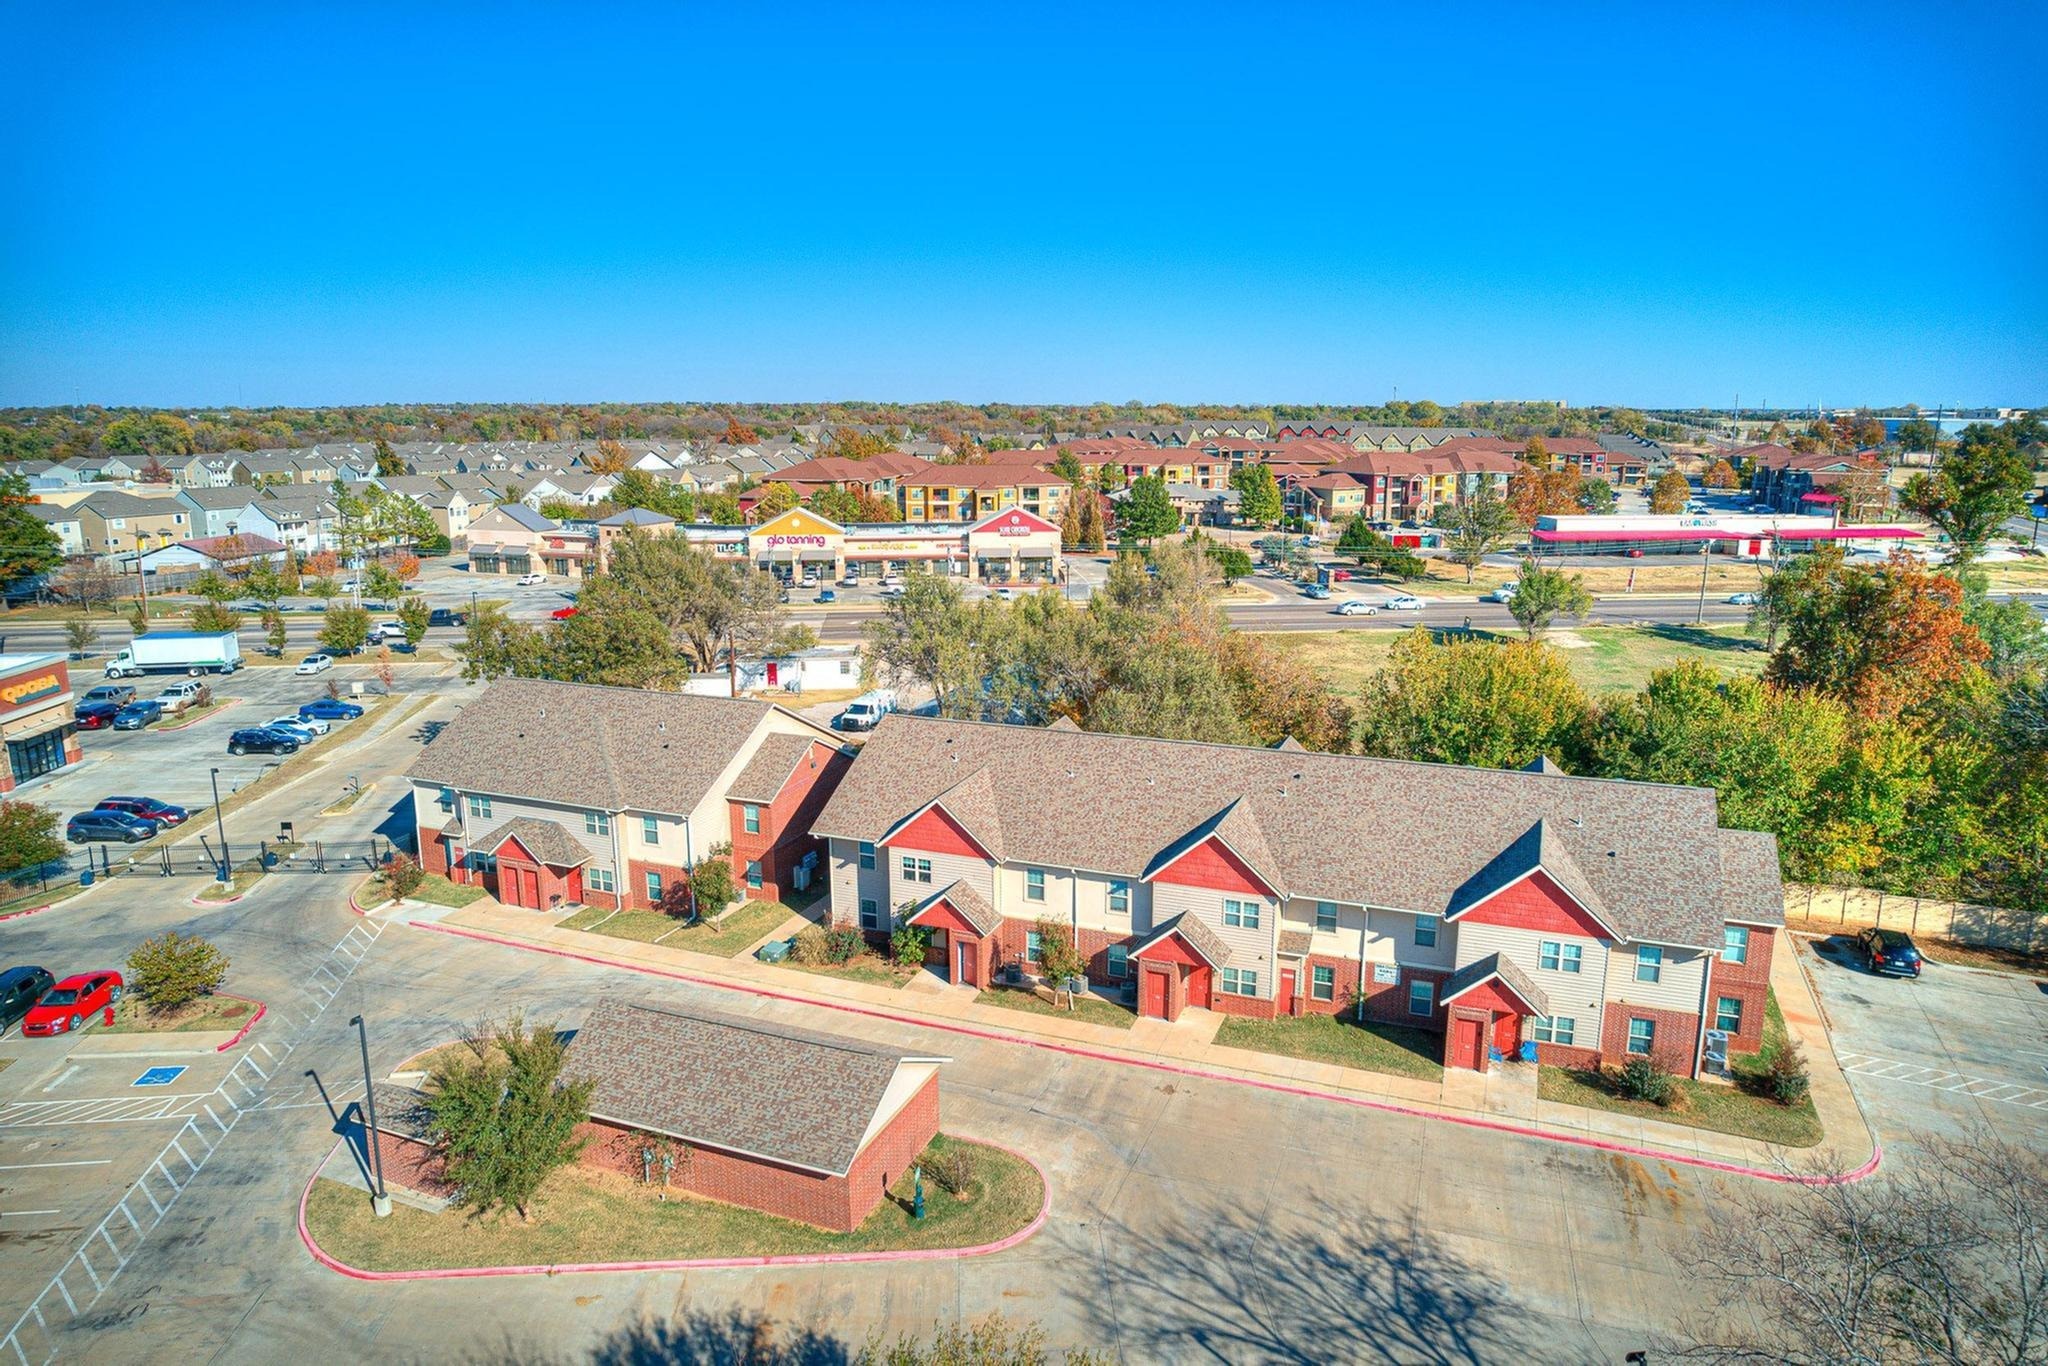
116 826
1889 951
21 988
261 741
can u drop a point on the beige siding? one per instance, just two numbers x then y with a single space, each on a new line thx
851 882
1677 986
570 818
1249 948
1397 929
1352 932
946 869
1579 995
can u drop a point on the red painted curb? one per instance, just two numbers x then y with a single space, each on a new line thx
1361 1102
691 1264
194 900
244 1033
358 907
33 910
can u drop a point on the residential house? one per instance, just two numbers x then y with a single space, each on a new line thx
65 522
216 512
217 471
229 554
306 520
1404 487
570 486
1577 920
117 525
560 793
1795 482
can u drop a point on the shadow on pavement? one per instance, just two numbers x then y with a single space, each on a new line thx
697 1339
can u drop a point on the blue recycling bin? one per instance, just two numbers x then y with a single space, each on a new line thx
85 878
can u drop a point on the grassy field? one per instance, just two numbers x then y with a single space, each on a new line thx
724 937
868 967
587 1215
1733 1109
132 1016
1088 1008
1342 1040
439 891
1602 658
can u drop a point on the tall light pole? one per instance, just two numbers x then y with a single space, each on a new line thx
1700 615
380 1199
227 862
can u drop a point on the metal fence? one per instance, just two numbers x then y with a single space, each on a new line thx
197 857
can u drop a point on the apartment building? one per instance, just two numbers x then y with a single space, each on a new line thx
1401 487
117 526
551 794
968 493
1590 920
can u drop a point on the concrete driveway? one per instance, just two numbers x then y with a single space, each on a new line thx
1933 1055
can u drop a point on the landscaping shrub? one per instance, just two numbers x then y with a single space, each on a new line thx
403 876
174 970
1643 1079
813 946
952 1169
1785 1080
907 944
843 946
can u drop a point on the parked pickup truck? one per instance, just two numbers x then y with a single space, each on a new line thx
866 711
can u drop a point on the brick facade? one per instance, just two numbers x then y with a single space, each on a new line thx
1748 982
1675 1045
1387 1002
1344 985
413 1165
785 834
839 1203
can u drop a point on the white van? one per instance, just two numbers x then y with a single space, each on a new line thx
866 711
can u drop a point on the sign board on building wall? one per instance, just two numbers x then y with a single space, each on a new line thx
812 542
27 689
1386 974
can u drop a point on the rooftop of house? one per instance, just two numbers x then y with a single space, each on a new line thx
743 1085
1380 832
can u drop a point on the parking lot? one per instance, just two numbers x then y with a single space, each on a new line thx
1930 1056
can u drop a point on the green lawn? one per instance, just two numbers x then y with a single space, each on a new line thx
642 927
1343 1040
868 967
1088 1008
1610 659
132 1016
588 1215
439 891
733 932
1705 1105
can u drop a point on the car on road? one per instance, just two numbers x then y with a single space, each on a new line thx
350 586
1743 599
20 989
94 715
1355 608
316 724
1889 952
386 632
1504 593
315 664
1317 592
809 580
136 715
297 730
563 613
441 616
331 709
149 808
891 581
67 1006
1759 508
262 740
1403 602
108 827
120 694
529 580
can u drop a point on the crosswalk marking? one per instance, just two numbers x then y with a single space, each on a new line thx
1942 1079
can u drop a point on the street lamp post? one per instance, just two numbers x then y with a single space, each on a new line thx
227 862
1700 614
380 1199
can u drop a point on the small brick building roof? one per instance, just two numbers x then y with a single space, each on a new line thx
1493 966
749 1087
985 919
545 840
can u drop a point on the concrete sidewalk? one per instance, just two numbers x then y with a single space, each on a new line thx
1505 1100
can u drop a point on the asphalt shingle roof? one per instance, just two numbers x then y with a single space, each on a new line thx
1196 931
969 903
1376 832
769 769
1493 965
744 1085
1752 891
576 744
545 840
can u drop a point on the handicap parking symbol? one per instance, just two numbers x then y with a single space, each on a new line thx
158 1076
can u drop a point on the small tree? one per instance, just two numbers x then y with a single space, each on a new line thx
503 1117
403 875
1058 959
214 587
138 620
173 970
1670 493
1785 1080
415 616
323 587
907 944
711 881
274 634
80 635
214 616
28 837
1544 594
381 584
1720 475
1475 528
1644 1079
345 629
1597 496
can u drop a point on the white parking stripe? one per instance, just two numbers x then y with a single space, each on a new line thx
81 1162
1938 1079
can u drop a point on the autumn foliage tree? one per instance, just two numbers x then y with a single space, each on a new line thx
1670 494
1473 702
738 433
1536 490
1720 475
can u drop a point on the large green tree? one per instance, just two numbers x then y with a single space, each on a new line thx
1473 702
1475 528
1542 595
1258 494
1146 512
27 545
925 636
504 1118
28 837
1980 484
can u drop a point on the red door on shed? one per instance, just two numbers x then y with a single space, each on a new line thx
1198 987
1155 995
1465 1040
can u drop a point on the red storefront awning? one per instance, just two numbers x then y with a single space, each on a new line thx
1846 533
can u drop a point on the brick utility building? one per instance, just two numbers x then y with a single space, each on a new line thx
806 1126
1591 918
551 794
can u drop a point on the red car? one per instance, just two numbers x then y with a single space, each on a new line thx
66 1007
563 613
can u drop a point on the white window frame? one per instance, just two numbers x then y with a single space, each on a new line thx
1119 962
1735 943
479 807
1326 917
1033 946
652 886
596 823
1119 897
870 913
1649 963
598 878
650 830
1559 1029
915 869
755 879
1322 982
865 854
1649 1037
1735 1001
1427 997
1240 982
1426 924
1242 915
750 817
1034 884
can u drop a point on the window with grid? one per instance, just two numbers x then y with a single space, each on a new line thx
650 830
754 873
750 816
1421 997
1034 884
1425 931
1119 961
916 869
1120 898
599 879
653 887
1032 945
1728 1014
870 914
1642 1036
1649 963
867 854
1326 915
1557 1029
480 807
1323 983
596 823
1241 913
1734 944
1559 957
1240 982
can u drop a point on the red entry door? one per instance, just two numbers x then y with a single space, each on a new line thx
1155 995
1465 1040
963 958
1287 1001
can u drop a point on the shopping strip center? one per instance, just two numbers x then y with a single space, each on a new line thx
1011 545
1744 535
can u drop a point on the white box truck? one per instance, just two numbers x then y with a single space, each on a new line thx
178 652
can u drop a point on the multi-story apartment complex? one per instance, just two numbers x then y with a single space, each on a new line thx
968 493
1588 920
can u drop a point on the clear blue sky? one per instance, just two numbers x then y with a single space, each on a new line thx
1617 203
